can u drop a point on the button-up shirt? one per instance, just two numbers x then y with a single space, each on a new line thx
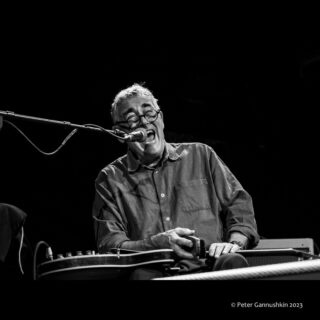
190 188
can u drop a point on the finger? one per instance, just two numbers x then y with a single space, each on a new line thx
183 242
212 249
218 251
174 239
227 248
235 248
184 231
182 253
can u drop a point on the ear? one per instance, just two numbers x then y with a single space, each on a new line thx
117 127
161 114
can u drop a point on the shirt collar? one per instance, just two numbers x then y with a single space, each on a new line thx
170 152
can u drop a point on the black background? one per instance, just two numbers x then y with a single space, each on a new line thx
251 92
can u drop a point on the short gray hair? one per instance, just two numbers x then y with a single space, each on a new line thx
132 91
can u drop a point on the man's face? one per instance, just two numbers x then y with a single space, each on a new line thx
152 147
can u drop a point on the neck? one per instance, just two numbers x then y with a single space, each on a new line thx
151 161
146 159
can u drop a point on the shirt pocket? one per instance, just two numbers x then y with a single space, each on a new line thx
193 195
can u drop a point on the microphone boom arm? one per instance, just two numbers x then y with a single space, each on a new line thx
64 123
116 133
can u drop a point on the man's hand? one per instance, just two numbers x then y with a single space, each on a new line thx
174 240
217 249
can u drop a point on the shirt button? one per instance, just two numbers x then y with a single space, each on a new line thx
167 218
162 195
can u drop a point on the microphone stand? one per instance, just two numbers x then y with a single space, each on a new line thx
116 133
64 123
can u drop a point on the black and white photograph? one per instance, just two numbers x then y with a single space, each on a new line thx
177 158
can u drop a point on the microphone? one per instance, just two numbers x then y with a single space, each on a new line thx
139 135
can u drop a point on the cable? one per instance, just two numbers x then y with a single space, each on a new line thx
35 257
20 247
120 135
43 152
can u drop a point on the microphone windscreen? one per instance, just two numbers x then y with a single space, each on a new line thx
144 134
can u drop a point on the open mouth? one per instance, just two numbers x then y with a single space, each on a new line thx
151 135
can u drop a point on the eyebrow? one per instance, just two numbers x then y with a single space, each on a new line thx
127 111
144 105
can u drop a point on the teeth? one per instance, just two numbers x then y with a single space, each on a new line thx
151 135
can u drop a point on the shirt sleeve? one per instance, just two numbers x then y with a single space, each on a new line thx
110 226
236 203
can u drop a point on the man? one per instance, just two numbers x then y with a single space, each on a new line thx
159 193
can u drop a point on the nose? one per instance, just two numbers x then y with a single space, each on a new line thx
143 120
